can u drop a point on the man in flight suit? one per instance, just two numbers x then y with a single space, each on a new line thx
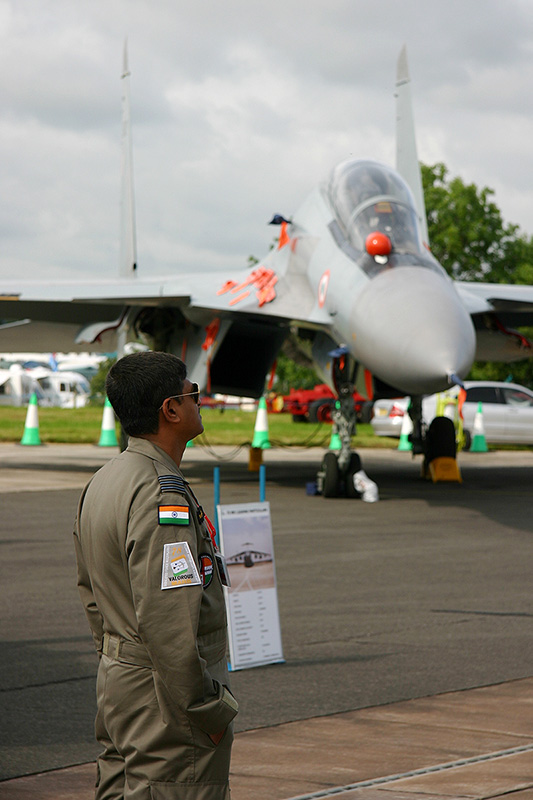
150 581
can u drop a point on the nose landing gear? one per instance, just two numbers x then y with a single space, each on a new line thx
333 482
341 474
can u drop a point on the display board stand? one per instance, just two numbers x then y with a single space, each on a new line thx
246 542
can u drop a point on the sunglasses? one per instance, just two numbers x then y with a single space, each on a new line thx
195 394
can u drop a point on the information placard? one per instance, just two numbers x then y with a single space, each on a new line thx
252 599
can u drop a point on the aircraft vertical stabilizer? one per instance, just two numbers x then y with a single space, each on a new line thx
128 238
407 162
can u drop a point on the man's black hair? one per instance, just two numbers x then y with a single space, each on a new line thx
137 385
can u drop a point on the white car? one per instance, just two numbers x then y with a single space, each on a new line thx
507 412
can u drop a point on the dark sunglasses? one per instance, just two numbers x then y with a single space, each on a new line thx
195 394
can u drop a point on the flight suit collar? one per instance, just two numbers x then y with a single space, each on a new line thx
153 451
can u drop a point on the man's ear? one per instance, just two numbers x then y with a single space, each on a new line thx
170 411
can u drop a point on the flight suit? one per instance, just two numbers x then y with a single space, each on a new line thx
153 596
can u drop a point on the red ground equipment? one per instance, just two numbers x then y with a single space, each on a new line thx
314 405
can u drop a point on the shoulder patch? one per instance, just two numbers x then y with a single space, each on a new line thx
171 483
206 569
179 568
173 515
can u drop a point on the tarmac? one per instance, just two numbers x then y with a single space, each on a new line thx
469 743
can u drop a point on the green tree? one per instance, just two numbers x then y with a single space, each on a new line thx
290 375
469 238
98 382
295 366
517 265
467 233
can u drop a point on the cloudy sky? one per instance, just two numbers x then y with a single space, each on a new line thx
239 108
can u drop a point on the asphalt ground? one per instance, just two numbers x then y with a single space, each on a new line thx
425 592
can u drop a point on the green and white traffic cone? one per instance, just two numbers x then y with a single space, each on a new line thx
31 427
407 429
479 442
261 427
108 434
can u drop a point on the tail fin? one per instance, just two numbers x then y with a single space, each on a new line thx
407 162
128 236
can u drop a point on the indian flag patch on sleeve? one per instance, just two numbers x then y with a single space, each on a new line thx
173 515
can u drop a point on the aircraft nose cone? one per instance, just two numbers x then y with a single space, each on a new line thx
410 328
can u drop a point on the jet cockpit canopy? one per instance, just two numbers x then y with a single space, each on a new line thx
367 196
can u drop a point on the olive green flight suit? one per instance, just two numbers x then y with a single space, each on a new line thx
162 679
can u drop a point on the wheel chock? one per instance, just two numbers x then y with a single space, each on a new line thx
255 459
444 468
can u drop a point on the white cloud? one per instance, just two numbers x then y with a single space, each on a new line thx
238 110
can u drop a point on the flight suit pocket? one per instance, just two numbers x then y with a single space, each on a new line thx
191 791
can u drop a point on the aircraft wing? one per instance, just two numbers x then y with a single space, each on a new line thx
15 296
512 302
496 310
67 316
279 290
191 311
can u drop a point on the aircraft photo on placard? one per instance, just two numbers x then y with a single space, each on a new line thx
352 272
247 547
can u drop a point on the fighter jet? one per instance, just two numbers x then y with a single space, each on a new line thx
352 272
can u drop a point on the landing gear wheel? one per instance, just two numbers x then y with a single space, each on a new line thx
320 410
440 442
330 467
440 439
366 413
353 467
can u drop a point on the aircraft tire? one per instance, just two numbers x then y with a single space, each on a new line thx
440 439
367 410
354 466
330 467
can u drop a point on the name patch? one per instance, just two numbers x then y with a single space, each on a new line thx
179 568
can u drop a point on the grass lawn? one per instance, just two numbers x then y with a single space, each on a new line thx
229 427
